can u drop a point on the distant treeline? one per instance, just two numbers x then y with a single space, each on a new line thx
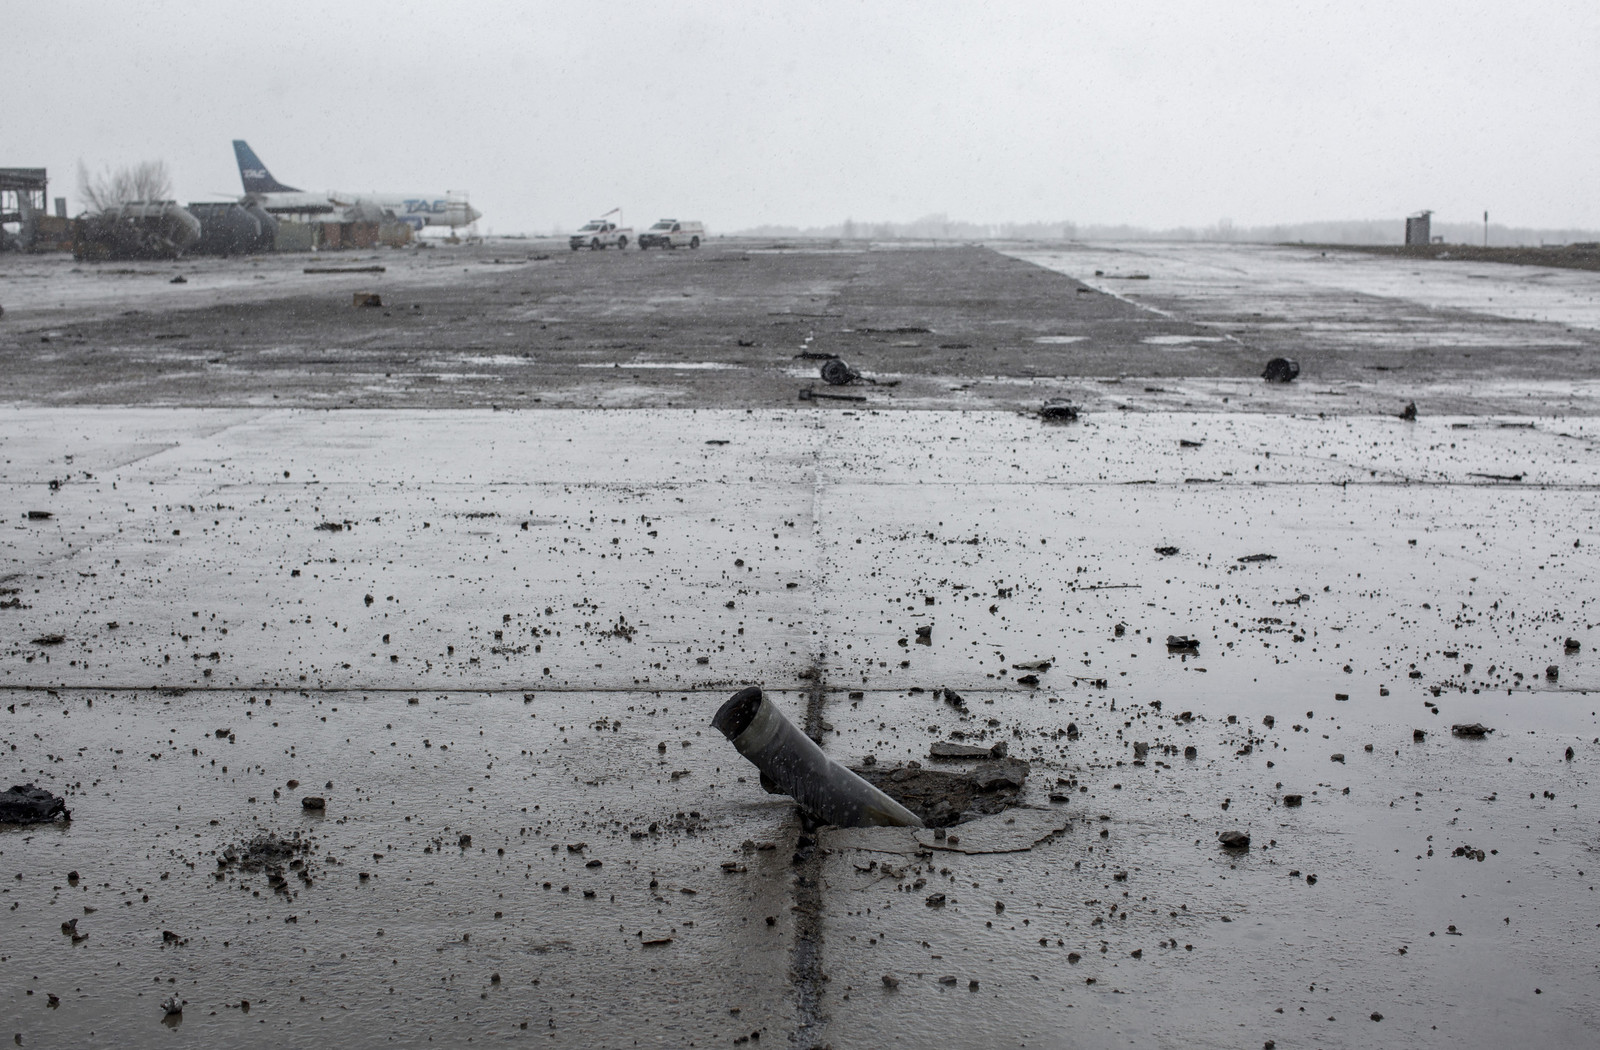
1375 231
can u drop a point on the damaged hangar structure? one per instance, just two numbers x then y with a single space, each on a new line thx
25 224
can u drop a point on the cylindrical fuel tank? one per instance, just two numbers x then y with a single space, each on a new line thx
225 229
268 237
168 220
137 230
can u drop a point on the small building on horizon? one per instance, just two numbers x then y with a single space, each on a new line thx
1419 229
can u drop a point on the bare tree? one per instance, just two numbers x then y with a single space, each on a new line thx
106 189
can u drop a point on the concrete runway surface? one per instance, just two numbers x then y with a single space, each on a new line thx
461 572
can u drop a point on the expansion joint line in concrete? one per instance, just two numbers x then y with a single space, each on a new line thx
345 690
805 956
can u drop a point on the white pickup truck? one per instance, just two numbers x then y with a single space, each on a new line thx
669 233
598 234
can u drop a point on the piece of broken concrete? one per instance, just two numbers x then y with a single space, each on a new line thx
1013 831
1471 729
945 749
1233 840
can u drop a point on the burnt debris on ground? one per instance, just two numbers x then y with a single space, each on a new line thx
274 856
29 804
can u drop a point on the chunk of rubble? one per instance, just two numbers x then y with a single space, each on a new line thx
1008 773
1182 643
30 804
1056 410
949 750
1233 840
1281 370
1476 730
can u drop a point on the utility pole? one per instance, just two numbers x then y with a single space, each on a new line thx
1486 229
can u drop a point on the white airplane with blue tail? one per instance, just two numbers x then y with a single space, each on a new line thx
414 209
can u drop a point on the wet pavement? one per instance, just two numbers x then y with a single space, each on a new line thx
515 624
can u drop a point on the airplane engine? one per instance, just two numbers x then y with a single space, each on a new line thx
366 211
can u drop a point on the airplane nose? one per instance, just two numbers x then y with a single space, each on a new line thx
473 214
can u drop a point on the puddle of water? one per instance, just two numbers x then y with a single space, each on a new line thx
1251 281
1060 339
1180 340
503 360
668 366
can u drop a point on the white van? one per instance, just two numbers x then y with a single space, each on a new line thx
670 233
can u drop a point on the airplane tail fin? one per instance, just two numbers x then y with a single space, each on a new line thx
254 174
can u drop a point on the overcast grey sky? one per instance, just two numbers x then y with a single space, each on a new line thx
1152 112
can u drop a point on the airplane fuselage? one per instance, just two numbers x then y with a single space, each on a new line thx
416 210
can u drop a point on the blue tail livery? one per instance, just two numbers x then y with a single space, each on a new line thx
254 174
